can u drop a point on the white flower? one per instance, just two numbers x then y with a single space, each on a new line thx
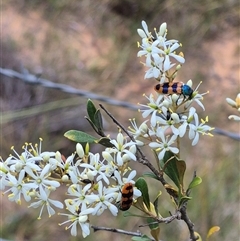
153 108
168 120
45 201
187 122
196 97
169 51
24 161
152 72
163 144
96 168
144 34
76 217
18 187
105 199
136 131
121 180
120 148
71 169
83 195
151 51
202 129
158 52
42 181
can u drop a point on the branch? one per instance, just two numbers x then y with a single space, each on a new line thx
182 213
189 223
167 220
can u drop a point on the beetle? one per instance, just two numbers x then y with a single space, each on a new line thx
174 88
127 197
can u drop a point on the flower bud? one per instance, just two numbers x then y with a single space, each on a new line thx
231 102
80 150
162 29
65 178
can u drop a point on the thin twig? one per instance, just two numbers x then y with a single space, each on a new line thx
167 220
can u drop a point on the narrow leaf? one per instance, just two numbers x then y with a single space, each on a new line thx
143 187
92 124
98 119
91 110
79 136
212 230
155 203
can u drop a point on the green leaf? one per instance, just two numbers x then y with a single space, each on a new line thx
95 118
98 122
79 136
143 187
174 168
98 119
181 167
142 238
92 124
195 182
152 223
105 141
91 110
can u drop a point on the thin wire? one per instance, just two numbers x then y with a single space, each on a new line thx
34 80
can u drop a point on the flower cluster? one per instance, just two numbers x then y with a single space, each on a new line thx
235 104
170 115
94 182
159 52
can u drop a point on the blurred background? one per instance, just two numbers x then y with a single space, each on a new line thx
92 46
